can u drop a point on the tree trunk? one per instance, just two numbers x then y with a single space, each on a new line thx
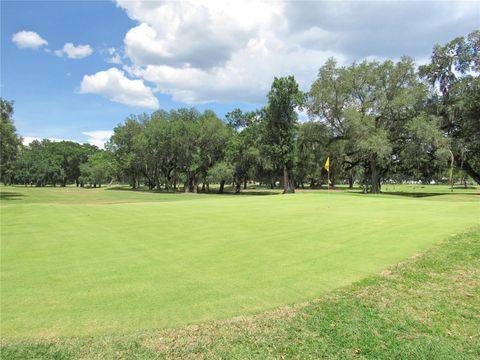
194 184
245 184
222 185
287 183
375 177
191 185
168 181
350 181
188 184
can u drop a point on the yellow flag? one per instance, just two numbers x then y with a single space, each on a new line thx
327 164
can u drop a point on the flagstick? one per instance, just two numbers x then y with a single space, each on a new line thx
328 179
451 171
451 177
327 167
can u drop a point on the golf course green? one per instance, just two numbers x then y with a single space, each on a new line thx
109 261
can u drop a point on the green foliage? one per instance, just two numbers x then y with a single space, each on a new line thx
99 169
244 149
239 120
369 107
46 162
310 152
377 121
10 142
169 147
221 173
284 99
425 150
454 68
212 141
124 146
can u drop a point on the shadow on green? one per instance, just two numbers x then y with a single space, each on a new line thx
212 192
11 196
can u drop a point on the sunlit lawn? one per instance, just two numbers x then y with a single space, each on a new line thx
97 261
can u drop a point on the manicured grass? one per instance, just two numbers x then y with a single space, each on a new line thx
80 262
424 308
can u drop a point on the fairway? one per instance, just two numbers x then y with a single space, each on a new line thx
100 261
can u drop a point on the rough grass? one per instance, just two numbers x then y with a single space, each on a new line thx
426 307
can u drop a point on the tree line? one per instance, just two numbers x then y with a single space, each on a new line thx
375 120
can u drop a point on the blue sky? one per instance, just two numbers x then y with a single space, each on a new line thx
128 57
44 86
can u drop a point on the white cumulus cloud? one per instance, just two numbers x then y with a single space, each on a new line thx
74 52
229 51
201 34
115 86
246 77
28 39
98 137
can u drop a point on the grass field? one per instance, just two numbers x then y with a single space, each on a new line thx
105 261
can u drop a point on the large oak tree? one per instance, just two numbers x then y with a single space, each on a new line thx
370 106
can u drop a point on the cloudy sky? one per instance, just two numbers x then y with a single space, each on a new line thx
76 69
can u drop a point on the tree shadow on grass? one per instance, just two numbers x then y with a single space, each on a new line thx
248 192
121 188
251 192
141 190
11 196
426 194
412 194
